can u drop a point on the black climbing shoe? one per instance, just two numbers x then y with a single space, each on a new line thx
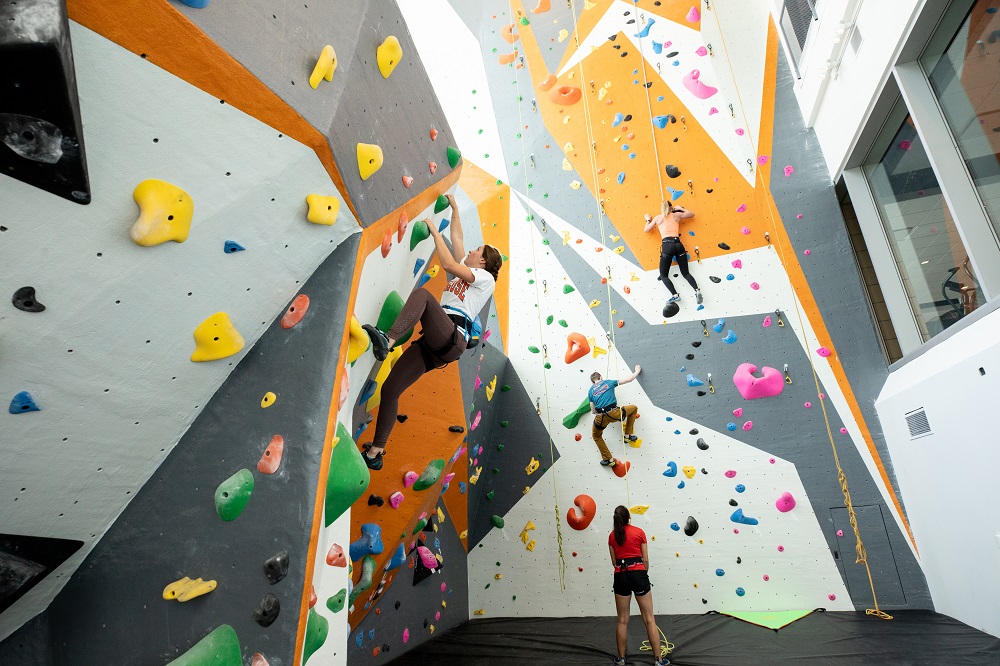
373 463
609 463
631 438
380 344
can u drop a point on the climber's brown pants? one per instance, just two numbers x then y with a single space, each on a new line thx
601 422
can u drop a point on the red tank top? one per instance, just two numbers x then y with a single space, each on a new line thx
632 548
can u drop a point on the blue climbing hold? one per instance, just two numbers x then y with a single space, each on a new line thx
624 146
361 429
371 634
657 48
683 369
660 98
417 266
621 177
367 391
730 337
671 469
423 280
717 327
369 543
730 277
197 4
675 527
676 63
690 233
461 487
740 487
359 639
232 246
675 194
661 121
681 485
631 156
645 31
23 403
720 572
740 591
669 418
618 120
730 426
694 381
444 224
700 307
738 517
677 432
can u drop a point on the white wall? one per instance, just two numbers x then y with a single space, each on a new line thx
948 479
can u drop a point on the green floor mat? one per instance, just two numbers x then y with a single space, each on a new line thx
770 619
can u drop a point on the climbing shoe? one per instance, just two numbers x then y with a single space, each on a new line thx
373 463
619 661
674 298
697 296
631 438
380 343
662 662
609 463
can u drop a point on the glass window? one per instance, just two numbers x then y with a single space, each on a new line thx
963 72
930 256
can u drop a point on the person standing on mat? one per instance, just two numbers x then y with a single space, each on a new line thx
630 558
668 222
604 407
446 326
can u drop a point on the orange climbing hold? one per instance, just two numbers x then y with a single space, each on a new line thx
507 58
587 508
434 134
565 95
312 596
547 84
271 459
432 166
507 32
386 243
407 181
295 312
401 230
258 658
621 469
543 6
576 347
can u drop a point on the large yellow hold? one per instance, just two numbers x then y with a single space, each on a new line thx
383 374
322 210
184 589
388 54
325 66
359 341
369 159
216 338
165 213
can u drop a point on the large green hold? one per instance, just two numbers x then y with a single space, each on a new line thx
419 234
387 317
572 419
441 203
454 155
347 478
430 475
317 629
220 648
232 495
336 602
367 573
497 522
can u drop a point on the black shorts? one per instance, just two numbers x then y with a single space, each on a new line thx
635 581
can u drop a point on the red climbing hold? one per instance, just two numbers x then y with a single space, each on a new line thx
296 311
576 347
620 469
547 84
335 557
386 244
270 460
432 166
582 513
403 222
407 181
578 437
434 134
312 597
621 323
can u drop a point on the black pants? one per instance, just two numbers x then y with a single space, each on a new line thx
672 249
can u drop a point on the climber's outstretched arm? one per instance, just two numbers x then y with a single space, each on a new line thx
457 233
448 262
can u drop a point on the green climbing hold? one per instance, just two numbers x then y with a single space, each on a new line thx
562 322
317 629
430 475
367 573
567 288
490 494
419 234
533 349
545 241
504 257
528 270
572 419
497 521
505 388
390 310
504 424
336 602
347 476
232 495
547 365
441 203
549 319
454 155
531 282
220 647
496 470
500 447
524 21
421 524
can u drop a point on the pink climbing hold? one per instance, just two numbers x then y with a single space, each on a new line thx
745 231
447 479
767 321
748 425
766 578
840 533
738 412
407 181
772 460
789 171
807 405
693 15
807 252
427 557
754 286
737 263
406 635
409 479
437 616
843 431
736 530
740 131
395 499
712 112
701 50
823 351
781 549
769 384
799 216
762 159
731 474
831 597
444 587
696 87
475 421
479 382
742 209
785 503
905 144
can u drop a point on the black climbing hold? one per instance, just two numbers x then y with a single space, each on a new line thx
672 54
630 22
696 343
385 647
691 526
657 3
670 310
397 605
425 624
733 502
724 246
714 279
694 431
624 53
702 444
40 123
401 418
704 601
739 560
429 527
617 46
267 610
675 139
704 471
612 38
672 171
628 117
689 357
276 567
709 190
456 428
24 299
701 394
649 84
375 500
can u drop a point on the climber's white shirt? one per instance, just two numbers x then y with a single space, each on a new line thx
469 298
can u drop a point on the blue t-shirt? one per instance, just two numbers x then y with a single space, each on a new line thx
602 394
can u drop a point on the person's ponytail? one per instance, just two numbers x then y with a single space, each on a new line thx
622 518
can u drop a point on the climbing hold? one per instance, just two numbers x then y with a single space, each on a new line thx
296 311
576 347
547 83
694 381
621 177
531 467
738 517
369 159
785 503
730 338
789 171
407 181
336 602
184 589
672 171
621 469
748 425
740 591
396 499
430 475
216 338
420 233
267 610
369 543
568 289
565 95
230 246
693 15
386 243
221 647
769 384
375 500
671 469
322 210
507 58
335 556
456 428
717 327
671 309
582 513
409 479
823 351
454 156
497 521
22 402
427 557
326 65
270 460
675 527
24 300
232 495
268 400
737 263
440 203
347 476
675 194
165 213
391 308
696 87
739 486
368 565
738 412
754 286
690 526
388 55
618 120
720 572
689 471
359 341
276 567
767 321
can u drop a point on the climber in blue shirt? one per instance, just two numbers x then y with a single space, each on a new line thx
604 407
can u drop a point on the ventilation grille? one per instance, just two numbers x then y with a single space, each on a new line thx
916 421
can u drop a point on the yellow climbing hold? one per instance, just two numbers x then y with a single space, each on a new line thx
633 277
565 236
575 185
636 443
464 534
530 545
525 537
322 210
497 576
689 471
388 55
526 490
440 515
268 400
639 509
568 148
566 120
185 589
479 611
594 303
615 239
433 270
588 5
383 373
369 159
563 35
475 477
491 388
216 338
601 93
532 466
325 66
566 165
619 249
165 213
359 341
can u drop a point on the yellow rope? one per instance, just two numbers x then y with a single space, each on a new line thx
666 647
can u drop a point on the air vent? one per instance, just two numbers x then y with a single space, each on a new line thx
916 421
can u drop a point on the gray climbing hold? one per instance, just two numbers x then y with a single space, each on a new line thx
276 567
672 171
267 610
24 300
702 444
691 526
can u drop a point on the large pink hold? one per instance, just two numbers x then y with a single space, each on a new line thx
696 87
395 499
427 557
785 503
479 382
409 479
447 479
769 384
737 263
475 421
693 15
